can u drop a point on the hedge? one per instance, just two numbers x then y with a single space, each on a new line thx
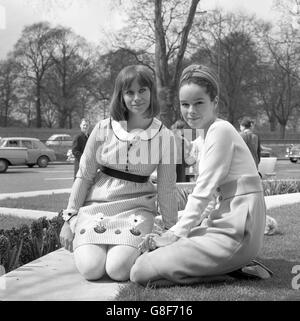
19 246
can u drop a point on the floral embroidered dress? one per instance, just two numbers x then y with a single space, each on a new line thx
118 211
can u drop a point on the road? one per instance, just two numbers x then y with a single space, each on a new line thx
24 179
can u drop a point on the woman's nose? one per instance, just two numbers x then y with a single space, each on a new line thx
191 109
137 97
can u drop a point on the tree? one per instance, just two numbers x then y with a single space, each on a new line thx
284 50
228 43
33 53
8 87
67 76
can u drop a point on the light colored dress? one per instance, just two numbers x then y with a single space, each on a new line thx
118 211
222 239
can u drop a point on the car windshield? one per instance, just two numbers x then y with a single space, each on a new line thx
2 142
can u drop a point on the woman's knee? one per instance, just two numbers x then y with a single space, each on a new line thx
141 272
90 261
119 262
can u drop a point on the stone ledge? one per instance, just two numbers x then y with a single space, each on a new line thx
19 212
54 277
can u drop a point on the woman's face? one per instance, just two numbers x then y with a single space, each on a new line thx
196 106
137 98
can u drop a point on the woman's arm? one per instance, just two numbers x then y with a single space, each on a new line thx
215 164
87 171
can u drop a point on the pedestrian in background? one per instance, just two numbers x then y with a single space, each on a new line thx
251 139
184 150
79 143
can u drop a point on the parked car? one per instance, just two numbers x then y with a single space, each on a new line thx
59 140
265 151
293 153
24 151
70 156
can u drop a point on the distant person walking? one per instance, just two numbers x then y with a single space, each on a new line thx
79 143
251 139
184 151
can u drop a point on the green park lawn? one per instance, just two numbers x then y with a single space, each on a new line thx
51 203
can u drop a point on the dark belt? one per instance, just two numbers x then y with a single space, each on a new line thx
123 175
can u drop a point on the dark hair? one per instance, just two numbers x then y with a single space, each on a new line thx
126 76
202 76
247 123
210 89
179 124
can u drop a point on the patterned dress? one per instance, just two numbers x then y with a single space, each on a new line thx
118 211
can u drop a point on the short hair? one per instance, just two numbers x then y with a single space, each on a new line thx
126 76
247 123
202 76
84 119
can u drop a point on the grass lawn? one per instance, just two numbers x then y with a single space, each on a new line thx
7 222
51 203
280 253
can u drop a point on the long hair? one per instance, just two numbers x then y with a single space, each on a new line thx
126 76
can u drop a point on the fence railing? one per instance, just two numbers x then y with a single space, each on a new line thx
280 141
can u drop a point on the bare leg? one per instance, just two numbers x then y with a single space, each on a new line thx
90 260
120 259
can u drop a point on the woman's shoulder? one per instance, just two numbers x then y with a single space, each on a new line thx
222 125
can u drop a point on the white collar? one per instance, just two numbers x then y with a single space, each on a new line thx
137 134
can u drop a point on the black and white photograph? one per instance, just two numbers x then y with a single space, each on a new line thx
150 153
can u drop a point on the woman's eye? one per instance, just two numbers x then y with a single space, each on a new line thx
198 103
142 90
129 92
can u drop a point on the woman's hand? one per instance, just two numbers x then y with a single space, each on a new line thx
152 241
165 239
147 244
66 237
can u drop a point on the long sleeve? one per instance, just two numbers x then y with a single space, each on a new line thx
166 182
76 149
213 168
87 170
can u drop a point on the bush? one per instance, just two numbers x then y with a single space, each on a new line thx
277 187
25 244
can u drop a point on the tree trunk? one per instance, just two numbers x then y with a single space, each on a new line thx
273 123
282 131
166 87
38 107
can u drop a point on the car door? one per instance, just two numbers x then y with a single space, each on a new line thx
16 157
31 151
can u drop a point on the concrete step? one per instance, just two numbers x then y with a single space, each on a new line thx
54 277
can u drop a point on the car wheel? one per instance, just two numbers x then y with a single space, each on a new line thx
43 161
3 165
293 160
30 165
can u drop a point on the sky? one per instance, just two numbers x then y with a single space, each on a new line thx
91 18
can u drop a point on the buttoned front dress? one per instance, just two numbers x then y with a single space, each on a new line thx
232 233
117 211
